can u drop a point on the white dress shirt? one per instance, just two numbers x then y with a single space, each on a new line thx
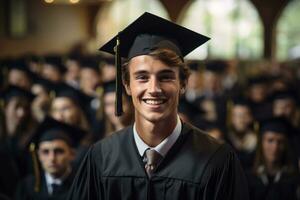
164 146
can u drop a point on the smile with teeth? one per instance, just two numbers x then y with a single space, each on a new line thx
154 101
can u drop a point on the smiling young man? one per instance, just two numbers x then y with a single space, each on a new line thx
159 157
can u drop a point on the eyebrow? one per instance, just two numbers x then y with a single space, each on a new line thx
164 71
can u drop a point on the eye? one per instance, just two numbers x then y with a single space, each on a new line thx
45 151
166 77
59 151
141 77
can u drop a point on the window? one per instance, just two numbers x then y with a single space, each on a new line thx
233 26
116 15
288 32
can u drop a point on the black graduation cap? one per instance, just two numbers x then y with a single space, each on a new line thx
193 65
257 80
64 90
91 62
144 35
276 124
15 91
216 66
51 129
56 62
285 94
240 100
109 86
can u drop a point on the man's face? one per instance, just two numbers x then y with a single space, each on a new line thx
51 73
273 145
19 78
154 87
55 157
241 117
284 107
89 79
17 110
63 109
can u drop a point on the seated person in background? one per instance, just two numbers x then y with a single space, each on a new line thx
241 134
112 122
55 144
19 125
274 175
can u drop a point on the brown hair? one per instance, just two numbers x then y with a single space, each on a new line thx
286 159
168 57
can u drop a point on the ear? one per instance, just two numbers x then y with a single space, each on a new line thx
183 86
72 154
127 88
182 90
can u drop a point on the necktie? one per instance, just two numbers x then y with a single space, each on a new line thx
153 158
55 188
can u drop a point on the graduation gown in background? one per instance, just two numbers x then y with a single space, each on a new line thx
265 188
25 189
196 167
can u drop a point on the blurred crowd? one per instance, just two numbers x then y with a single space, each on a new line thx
256 113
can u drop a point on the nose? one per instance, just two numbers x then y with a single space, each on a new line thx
51 156
20 112
154 86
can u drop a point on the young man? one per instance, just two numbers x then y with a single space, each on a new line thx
55 149
159 157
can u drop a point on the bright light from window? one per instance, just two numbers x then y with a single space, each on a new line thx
74 1
49 1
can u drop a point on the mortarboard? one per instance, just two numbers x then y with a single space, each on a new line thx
144 35
276 124
285 94
90 62
51 129
240 100
258 80
216 66
109 87
64 90
56 62
194 65
15 91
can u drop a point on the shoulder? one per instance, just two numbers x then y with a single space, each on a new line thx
114 140
200 141
214 153
110 147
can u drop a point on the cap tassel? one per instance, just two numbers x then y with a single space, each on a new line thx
37 183
118 104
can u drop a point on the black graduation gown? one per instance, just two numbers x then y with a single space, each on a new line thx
25 189
196 167
284 189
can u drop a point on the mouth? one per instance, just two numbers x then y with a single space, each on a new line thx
154 102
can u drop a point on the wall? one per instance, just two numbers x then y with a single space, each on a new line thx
51 28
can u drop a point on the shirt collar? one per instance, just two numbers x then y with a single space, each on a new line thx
164 146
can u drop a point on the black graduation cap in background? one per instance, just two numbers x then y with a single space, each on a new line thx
90 62
240 100
258 80
284 94
216 66
56 62
19 65
276 124
144 35
109 87
51 129
15 91
194 65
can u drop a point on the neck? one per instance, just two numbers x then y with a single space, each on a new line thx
272 168
63 175
153 133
